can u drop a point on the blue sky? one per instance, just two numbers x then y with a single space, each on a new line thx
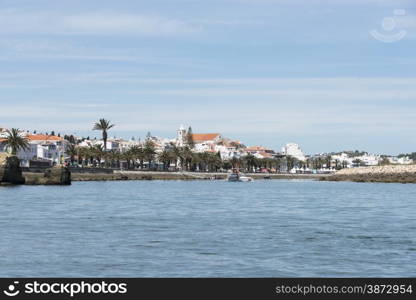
262 71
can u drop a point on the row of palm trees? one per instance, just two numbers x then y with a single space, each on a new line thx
171 158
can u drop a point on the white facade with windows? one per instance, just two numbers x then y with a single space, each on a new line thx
294 150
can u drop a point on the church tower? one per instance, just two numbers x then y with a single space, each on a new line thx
181 136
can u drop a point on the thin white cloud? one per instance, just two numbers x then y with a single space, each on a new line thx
105 23
16 22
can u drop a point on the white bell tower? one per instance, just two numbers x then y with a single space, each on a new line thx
181 134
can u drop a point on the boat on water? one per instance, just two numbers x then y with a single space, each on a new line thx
237 176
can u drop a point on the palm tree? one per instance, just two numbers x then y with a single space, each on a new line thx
15 141
251 162
186 157
176 155
128 156
278 164
103 125
328 159
149 152
165 158
72 151
98 152
214 162
204 161
138 154
112 158
235 162
141 156
291 162
81 154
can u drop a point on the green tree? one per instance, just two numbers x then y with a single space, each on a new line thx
214 162
291 162
96 154
72 151
15 141
112 158
186 157
251 162
149 152
384 162
104 126
358 162
235 162
190 138
176 155
165 157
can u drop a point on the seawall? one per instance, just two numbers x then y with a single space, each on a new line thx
148 175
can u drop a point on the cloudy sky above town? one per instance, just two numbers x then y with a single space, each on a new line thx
265 72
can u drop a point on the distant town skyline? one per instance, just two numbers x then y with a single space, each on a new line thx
92 135
264 72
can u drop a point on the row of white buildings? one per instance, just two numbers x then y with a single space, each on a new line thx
368 160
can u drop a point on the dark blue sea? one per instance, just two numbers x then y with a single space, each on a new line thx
208 229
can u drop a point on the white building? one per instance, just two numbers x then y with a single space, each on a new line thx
405 160
370 159
228 152
47 148
294 150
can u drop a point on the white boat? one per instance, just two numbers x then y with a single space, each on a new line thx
238 177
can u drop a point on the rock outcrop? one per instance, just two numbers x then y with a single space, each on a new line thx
58 175
389 173
10 170
52 176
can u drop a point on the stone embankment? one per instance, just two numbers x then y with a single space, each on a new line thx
389 174
149 175
52 176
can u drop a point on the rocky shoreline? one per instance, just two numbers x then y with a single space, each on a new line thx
11 173
385 174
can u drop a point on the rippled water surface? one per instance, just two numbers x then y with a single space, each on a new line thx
208 228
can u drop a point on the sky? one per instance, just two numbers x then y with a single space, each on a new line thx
265 72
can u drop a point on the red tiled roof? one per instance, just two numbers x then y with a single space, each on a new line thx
255 148
43 137
266 155
202 137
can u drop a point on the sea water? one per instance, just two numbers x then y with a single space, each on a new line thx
265 228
